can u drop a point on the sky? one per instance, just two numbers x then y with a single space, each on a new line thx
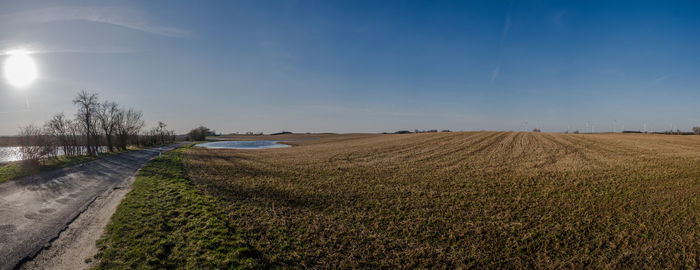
361 66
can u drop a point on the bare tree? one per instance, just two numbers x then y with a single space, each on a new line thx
696 130
158 135
97 126
74 129
32 146
129 125
162 132
108 114
87 106
57 128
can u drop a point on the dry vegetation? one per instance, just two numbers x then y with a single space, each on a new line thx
481 199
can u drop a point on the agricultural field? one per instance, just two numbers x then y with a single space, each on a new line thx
471 199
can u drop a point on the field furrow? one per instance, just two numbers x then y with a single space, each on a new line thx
472 199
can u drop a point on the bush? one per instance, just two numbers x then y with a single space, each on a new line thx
200 133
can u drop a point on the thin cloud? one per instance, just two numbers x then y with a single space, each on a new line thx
504 35
496 71
506 29
33 50
123 17
48 48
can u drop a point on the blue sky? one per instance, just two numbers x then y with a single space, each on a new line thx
362 66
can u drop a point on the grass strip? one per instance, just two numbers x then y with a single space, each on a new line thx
166 222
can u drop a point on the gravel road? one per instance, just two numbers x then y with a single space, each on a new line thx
63 208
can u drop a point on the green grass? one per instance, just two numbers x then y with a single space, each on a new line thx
19 169
166 222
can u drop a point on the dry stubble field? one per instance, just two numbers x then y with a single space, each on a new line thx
472 199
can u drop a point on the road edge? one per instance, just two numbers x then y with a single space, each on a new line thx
59 252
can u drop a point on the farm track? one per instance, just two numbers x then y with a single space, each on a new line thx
65 207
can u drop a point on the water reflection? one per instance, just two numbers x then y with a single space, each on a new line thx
243 145
9 154
12 153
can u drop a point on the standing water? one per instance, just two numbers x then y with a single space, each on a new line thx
243 145
12 153
9 154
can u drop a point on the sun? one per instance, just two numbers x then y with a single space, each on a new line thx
19 68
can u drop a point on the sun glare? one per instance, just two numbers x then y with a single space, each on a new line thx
19 68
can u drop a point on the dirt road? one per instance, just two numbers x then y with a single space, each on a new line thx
73 202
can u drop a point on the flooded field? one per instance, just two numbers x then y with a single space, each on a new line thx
243 145
12 153
9 154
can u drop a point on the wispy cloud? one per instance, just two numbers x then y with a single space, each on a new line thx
496 71
506 28
43 49
504 35
123 17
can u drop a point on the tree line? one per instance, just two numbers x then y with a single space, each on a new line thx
97 127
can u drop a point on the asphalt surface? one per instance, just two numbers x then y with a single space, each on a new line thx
34 210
